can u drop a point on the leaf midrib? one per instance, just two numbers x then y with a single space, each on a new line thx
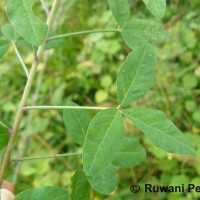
133 81
28 14
80 124
99 147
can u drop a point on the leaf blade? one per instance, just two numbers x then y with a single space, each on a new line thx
139 31
44 193
28 25
4 47
76 122
136 75
156 7
161 131
105 181
131 154
80 186
99 149
120 10
9 32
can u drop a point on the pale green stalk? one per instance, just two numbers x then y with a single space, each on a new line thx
20 59
25 95
45 157
35 97
65 107
80 33
45 7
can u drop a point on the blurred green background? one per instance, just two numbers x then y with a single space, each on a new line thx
83 69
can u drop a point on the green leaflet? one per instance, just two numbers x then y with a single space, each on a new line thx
156 7
57 97
139 31
137 74
105 181
103 140
4 137
131 154
161 131
9 32
28 25
4 46
120 10
44 193
80 186
76 122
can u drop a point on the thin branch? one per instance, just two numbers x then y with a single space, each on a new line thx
25 139
80 33
64 107
25 95
44 157
20 59
45 7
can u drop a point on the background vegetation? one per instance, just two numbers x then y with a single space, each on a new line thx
83 69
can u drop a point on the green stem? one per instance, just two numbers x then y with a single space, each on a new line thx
25 95
25 140
44 157
80 33
45 7
65 107
20 59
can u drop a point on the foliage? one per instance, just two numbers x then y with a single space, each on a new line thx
137 75
120 10
87 79
4 46
21 17
76 122
161 131
99 149
157 7
80 186
50 193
